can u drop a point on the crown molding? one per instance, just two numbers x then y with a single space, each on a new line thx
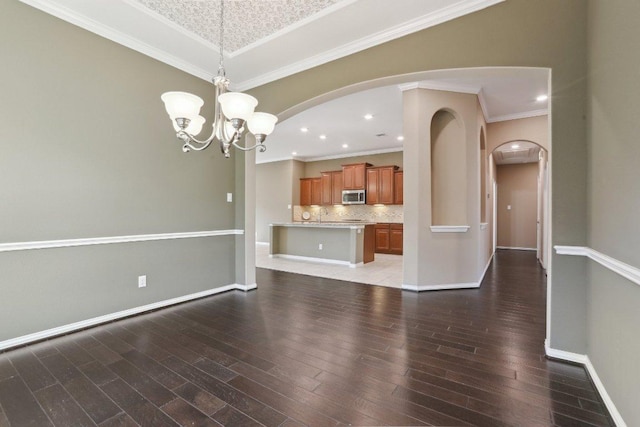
116 36
333 156
516 116
421 23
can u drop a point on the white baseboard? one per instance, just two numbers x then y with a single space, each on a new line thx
65 329
420 288
246 288
584 360
516 248
470 285
262 243
313 259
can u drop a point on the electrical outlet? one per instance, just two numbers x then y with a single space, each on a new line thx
142 281
320 246
229 197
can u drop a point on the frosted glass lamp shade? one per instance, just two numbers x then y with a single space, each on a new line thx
182 105
262 123
194 127
237 105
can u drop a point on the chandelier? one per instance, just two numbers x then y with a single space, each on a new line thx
232 111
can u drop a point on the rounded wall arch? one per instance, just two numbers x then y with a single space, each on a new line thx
448 169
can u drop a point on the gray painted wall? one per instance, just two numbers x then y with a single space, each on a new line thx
275 188
88 151
614 199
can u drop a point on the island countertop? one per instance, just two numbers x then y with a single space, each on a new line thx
347 242
323 224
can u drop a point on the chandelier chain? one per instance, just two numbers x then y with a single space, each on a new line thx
221 71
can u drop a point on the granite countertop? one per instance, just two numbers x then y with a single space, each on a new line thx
323 224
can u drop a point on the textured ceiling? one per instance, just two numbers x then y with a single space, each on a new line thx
245 21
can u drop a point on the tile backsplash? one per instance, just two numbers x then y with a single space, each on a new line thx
387 213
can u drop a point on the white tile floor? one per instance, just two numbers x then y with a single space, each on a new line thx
386 270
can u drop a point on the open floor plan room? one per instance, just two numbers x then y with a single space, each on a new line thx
303 350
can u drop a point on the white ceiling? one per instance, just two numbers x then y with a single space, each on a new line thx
504 94
516 152
269 39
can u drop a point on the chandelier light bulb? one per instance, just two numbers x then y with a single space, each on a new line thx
262 123
237 105
182 105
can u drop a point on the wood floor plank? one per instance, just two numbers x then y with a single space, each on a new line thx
207 403
61 408
136 406
20 406
238 399
187 415
150 389
34 374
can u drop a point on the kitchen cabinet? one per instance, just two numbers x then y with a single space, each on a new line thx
389 238
310 191
331 183
380 185
396 232
398 188
354 176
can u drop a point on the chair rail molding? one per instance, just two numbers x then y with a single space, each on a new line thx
67 243
625 270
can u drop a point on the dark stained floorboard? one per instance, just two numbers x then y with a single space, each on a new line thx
311 351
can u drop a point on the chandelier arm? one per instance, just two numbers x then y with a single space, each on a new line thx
190 140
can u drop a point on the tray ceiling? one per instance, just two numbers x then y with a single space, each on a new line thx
265 39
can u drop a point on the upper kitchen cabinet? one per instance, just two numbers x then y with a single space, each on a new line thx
332 187
354 176
380 185
398 190
310 191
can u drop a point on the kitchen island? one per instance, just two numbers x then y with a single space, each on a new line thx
347 243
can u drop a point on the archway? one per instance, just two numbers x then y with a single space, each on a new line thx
521 219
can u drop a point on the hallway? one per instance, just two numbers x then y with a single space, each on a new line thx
313 351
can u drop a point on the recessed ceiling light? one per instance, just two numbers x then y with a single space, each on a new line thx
400 138
345 145
293 153
323 136
368 116
542 98
515 146
304 130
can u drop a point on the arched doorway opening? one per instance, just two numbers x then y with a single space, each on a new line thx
521 180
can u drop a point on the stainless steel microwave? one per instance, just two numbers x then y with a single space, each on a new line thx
353 197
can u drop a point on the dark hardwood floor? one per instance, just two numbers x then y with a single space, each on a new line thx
310 351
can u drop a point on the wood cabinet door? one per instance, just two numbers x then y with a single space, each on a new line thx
385 185
382 238
398 191
316 191
348 180
395 238
372 186
359 179
305 192
336 188
325 183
